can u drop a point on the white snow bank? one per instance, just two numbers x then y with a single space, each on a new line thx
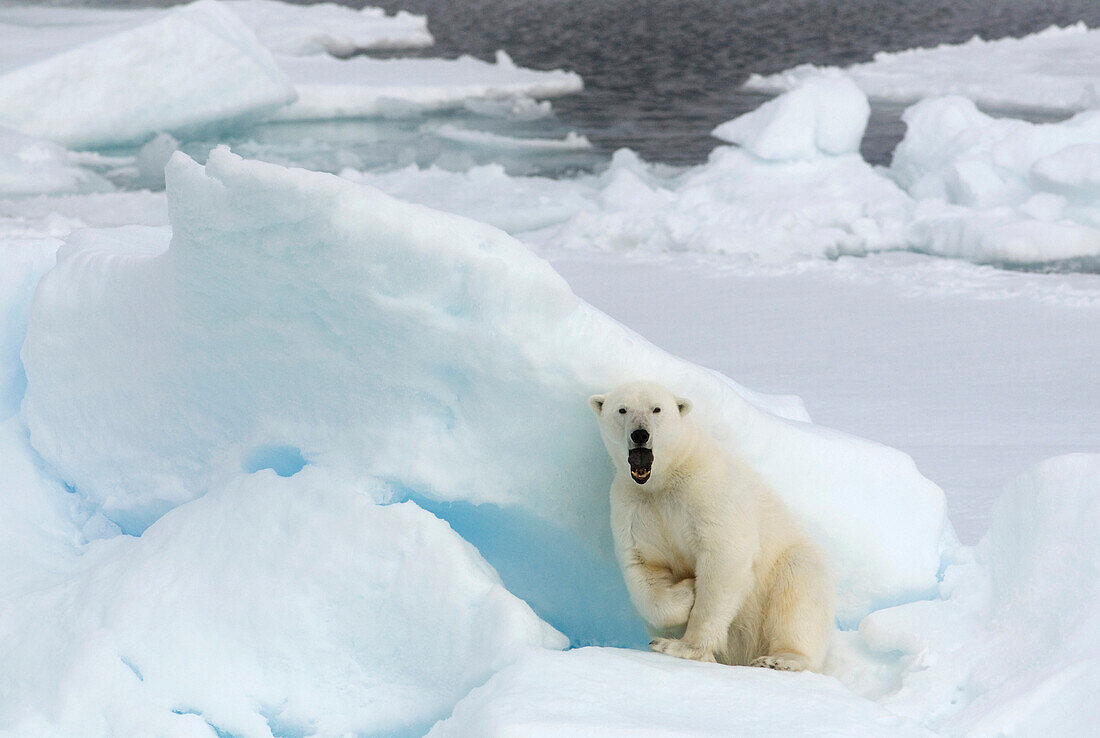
195 67
1054 70
1000 190
822 115
362 87
270 606
1012 647
608 692
312 29
437 355
33 166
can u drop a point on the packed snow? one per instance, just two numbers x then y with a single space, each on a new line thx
1055 71
284 453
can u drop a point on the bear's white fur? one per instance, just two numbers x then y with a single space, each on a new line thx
708 551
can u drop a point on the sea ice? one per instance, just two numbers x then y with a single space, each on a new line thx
327 27
999 190
444 359
608 692
33 166
1012 645
270 606
825 115
30 33
194 68
1055 70
362 87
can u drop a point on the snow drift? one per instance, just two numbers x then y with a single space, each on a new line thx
297 311
195 67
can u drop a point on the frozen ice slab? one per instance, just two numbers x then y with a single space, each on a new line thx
1055 70
430 352
608 692
194 68
291 606
34 166
327 27
362 87
998 190
1012 645
824 115
32 33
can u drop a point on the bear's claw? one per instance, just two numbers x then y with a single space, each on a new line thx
681 649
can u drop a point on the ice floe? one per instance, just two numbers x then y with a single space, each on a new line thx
362 87
1056 70
194 69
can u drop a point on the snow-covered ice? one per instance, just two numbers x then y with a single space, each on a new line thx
286 28
31 33
639 694
348 438
195 68
1000 190
524 348
1056 70
362 87
962 184
34 166
216 614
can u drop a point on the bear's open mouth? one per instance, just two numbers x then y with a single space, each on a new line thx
641 464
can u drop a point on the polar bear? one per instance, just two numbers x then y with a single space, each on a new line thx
708 552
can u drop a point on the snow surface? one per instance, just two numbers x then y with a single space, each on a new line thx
362 87
608 692
195 68
1055 70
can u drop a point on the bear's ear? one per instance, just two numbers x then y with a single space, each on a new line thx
596 403
684 404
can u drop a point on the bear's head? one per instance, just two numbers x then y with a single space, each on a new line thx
640 423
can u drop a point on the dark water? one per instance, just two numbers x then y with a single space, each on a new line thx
660 74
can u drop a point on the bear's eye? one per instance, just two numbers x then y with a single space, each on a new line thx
622 411
656 410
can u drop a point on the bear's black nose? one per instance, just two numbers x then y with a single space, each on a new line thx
640 436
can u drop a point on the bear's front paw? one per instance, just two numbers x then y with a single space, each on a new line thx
782 662
681 649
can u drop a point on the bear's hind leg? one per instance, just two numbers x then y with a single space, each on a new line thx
799 612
